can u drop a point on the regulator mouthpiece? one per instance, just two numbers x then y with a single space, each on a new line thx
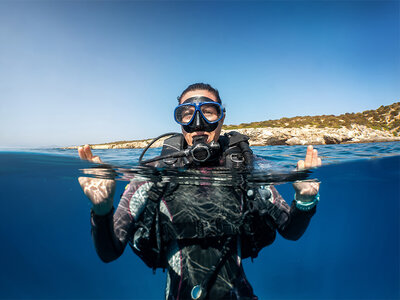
200 150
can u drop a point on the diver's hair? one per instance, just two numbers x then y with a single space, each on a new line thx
200 86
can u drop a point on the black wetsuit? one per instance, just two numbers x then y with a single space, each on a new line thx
189 259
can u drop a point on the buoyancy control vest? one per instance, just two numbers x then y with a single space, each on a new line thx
235 152
196 213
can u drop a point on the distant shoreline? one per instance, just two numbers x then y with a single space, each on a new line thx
268 136
379 125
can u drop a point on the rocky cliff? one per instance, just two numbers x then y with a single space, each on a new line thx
385 118
309 135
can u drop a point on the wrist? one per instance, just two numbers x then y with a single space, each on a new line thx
102 209
306 203
97 220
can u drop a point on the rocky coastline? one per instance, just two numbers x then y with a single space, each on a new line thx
307 135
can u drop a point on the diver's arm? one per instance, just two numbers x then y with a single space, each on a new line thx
106 230
99 191
109 230
290 221
306 199
112 232
297 223
106 243
302 209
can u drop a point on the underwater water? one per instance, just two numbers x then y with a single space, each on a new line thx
350 250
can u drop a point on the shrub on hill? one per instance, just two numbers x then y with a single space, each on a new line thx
384 118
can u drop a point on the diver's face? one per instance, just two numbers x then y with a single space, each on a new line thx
211 136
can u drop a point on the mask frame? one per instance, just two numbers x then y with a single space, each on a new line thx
197 107
199 122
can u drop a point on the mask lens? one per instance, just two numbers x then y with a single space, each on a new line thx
211 112
184 113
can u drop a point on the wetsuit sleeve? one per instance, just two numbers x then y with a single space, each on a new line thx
292 222
111 232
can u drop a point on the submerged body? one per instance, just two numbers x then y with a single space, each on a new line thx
196 222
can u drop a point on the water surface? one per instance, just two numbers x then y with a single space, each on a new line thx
350 251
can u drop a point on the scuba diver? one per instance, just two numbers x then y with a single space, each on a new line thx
199 233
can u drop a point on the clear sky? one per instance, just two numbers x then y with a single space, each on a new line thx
75 72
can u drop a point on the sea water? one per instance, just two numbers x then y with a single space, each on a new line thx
350 250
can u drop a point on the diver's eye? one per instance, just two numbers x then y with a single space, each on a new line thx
210 112
187 114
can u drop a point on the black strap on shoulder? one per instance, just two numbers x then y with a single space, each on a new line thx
243 142
236 137
237 150
173 144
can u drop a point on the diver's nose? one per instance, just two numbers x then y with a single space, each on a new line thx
197 121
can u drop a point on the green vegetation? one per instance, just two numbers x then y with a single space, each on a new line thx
383 118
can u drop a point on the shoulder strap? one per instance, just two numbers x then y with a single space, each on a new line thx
236 138
171 145
237 152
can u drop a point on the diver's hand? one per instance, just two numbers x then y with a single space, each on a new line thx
99 191
85 153
311 161
306 190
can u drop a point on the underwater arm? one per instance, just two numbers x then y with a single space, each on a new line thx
106 243
290 221
306 198
302 209
109 231
100 192
112 232
297 223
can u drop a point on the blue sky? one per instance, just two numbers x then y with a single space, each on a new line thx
75 72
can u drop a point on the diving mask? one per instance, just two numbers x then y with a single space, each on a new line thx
199 114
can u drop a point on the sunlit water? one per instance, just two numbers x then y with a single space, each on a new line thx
350 250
